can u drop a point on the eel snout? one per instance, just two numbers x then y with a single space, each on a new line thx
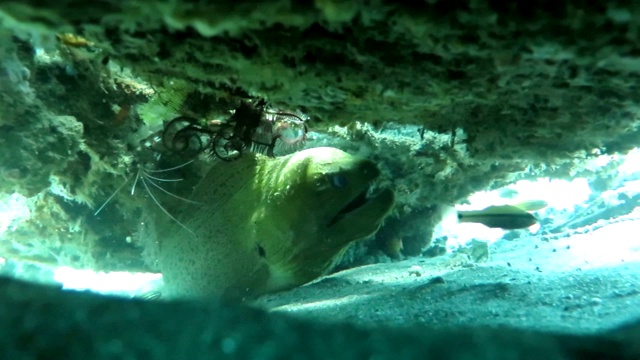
365 201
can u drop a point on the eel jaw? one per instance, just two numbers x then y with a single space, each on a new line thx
357 202
362 216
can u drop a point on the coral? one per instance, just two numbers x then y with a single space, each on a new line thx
164 105
64 142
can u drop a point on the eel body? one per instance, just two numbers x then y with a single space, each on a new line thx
260 224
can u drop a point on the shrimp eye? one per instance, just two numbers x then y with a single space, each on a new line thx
338 181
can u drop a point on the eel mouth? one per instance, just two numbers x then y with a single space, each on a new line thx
360 200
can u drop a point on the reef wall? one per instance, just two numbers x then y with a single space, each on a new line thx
449 97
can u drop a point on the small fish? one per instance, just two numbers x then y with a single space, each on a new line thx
508 217
73 40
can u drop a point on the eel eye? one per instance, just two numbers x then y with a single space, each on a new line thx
261 252
338 181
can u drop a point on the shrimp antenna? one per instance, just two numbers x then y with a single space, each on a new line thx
144 182
141 174
151 178
114 194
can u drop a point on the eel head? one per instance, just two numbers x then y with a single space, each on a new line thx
326 201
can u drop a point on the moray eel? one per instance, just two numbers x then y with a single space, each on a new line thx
267 224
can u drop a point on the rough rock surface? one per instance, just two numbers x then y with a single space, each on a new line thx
42 322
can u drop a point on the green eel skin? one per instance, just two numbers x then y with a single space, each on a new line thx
262 225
